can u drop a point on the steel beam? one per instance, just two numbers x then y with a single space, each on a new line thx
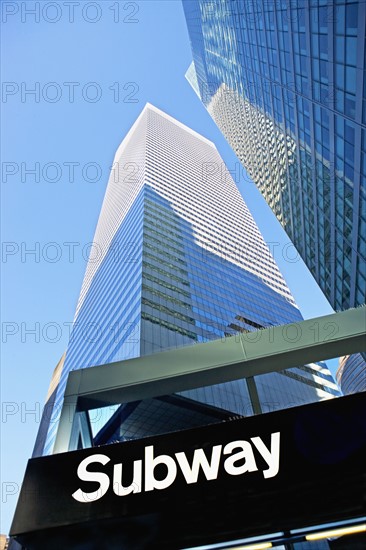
241 356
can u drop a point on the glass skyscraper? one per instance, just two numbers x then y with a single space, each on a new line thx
177 259
351 374
285 83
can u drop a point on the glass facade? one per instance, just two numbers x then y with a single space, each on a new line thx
180 261
285 83
351 374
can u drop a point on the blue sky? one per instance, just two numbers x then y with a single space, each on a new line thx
140 54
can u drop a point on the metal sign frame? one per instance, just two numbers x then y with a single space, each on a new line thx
241 356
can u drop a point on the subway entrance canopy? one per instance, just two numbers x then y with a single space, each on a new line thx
265 480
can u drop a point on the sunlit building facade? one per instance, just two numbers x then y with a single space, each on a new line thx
177 260
285 83
351 374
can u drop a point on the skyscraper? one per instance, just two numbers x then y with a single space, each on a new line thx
177 259
351 373
285 83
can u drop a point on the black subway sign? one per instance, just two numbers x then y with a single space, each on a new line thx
267 473
238 451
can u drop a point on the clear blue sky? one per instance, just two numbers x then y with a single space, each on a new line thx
153 54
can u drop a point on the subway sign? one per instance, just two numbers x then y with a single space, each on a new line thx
272 472
239 459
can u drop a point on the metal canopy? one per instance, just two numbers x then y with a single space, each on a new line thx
235 357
